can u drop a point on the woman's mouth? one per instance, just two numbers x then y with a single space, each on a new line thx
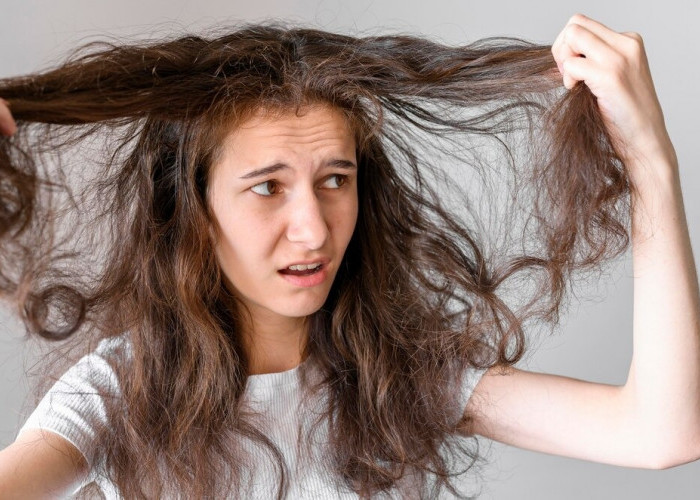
305 277
301 272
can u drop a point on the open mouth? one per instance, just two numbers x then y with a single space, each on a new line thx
305 272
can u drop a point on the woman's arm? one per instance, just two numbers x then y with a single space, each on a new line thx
40 464
653 421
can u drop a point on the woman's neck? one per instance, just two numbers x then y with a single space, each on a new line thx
275 346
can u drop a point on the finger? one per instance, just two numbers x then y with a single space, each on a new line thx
579 69
569 45
556 49
606 34
633 35
625 42
579 41
7 123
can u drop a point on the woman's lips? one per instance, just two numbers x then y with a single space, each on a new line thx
317 277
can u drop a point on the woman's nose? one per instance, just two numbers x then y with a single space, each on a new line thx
307 223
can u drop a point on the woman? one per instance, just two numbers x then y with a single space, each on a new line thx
293 160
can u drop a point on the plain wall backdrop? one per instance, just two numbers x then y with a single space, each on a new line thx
593 342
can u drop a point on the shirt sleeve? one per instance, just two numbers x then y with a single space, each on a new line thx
73 408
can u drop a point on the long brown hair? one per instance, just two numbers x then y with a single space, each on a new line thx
422 294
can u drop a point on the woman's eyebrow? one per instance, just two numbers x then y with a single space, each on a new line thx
261 172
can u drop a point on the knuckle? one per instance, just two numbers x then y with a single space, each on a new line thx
635 36
577 18
574 28
571 31
636 44
632 47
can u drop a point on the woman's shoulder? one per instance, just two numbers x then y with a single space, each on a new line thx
111 347
95 371
74 406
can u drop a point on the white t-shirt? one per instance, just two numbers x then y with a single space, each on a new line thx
72 406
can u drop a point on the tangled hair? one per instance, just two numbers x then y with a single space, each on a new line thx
420 296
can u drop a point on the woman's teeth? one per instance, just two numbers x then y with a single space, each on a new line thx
302 267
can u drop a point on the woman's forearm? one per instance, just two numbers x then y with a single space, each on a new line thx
664 378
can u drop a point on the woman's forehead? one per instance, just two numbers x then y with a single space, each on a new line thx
312 125
317 134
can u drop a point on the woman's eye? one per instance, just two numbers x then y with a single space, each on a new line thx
261 188
340 180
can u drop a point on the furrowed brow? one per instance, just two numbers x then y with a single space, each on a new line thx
262 172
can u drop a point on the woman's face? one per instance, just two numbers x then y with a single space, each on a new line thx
284 192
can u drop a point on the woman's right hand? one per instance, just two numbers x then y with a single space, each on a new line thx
7 123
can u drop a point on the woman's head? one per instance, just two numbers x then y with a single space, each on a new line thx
283 191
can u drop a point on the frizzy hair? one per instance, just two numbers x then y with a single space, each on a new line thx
416 300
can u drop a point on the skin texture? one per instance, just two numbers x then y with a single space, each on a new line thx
305 212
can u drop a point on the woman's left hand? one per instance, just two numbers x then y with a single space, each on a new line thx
614 66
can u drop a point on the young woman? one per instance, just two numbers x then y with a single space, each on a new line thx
285 307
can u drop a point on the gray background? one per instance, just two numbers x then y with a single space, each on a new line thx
595 338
